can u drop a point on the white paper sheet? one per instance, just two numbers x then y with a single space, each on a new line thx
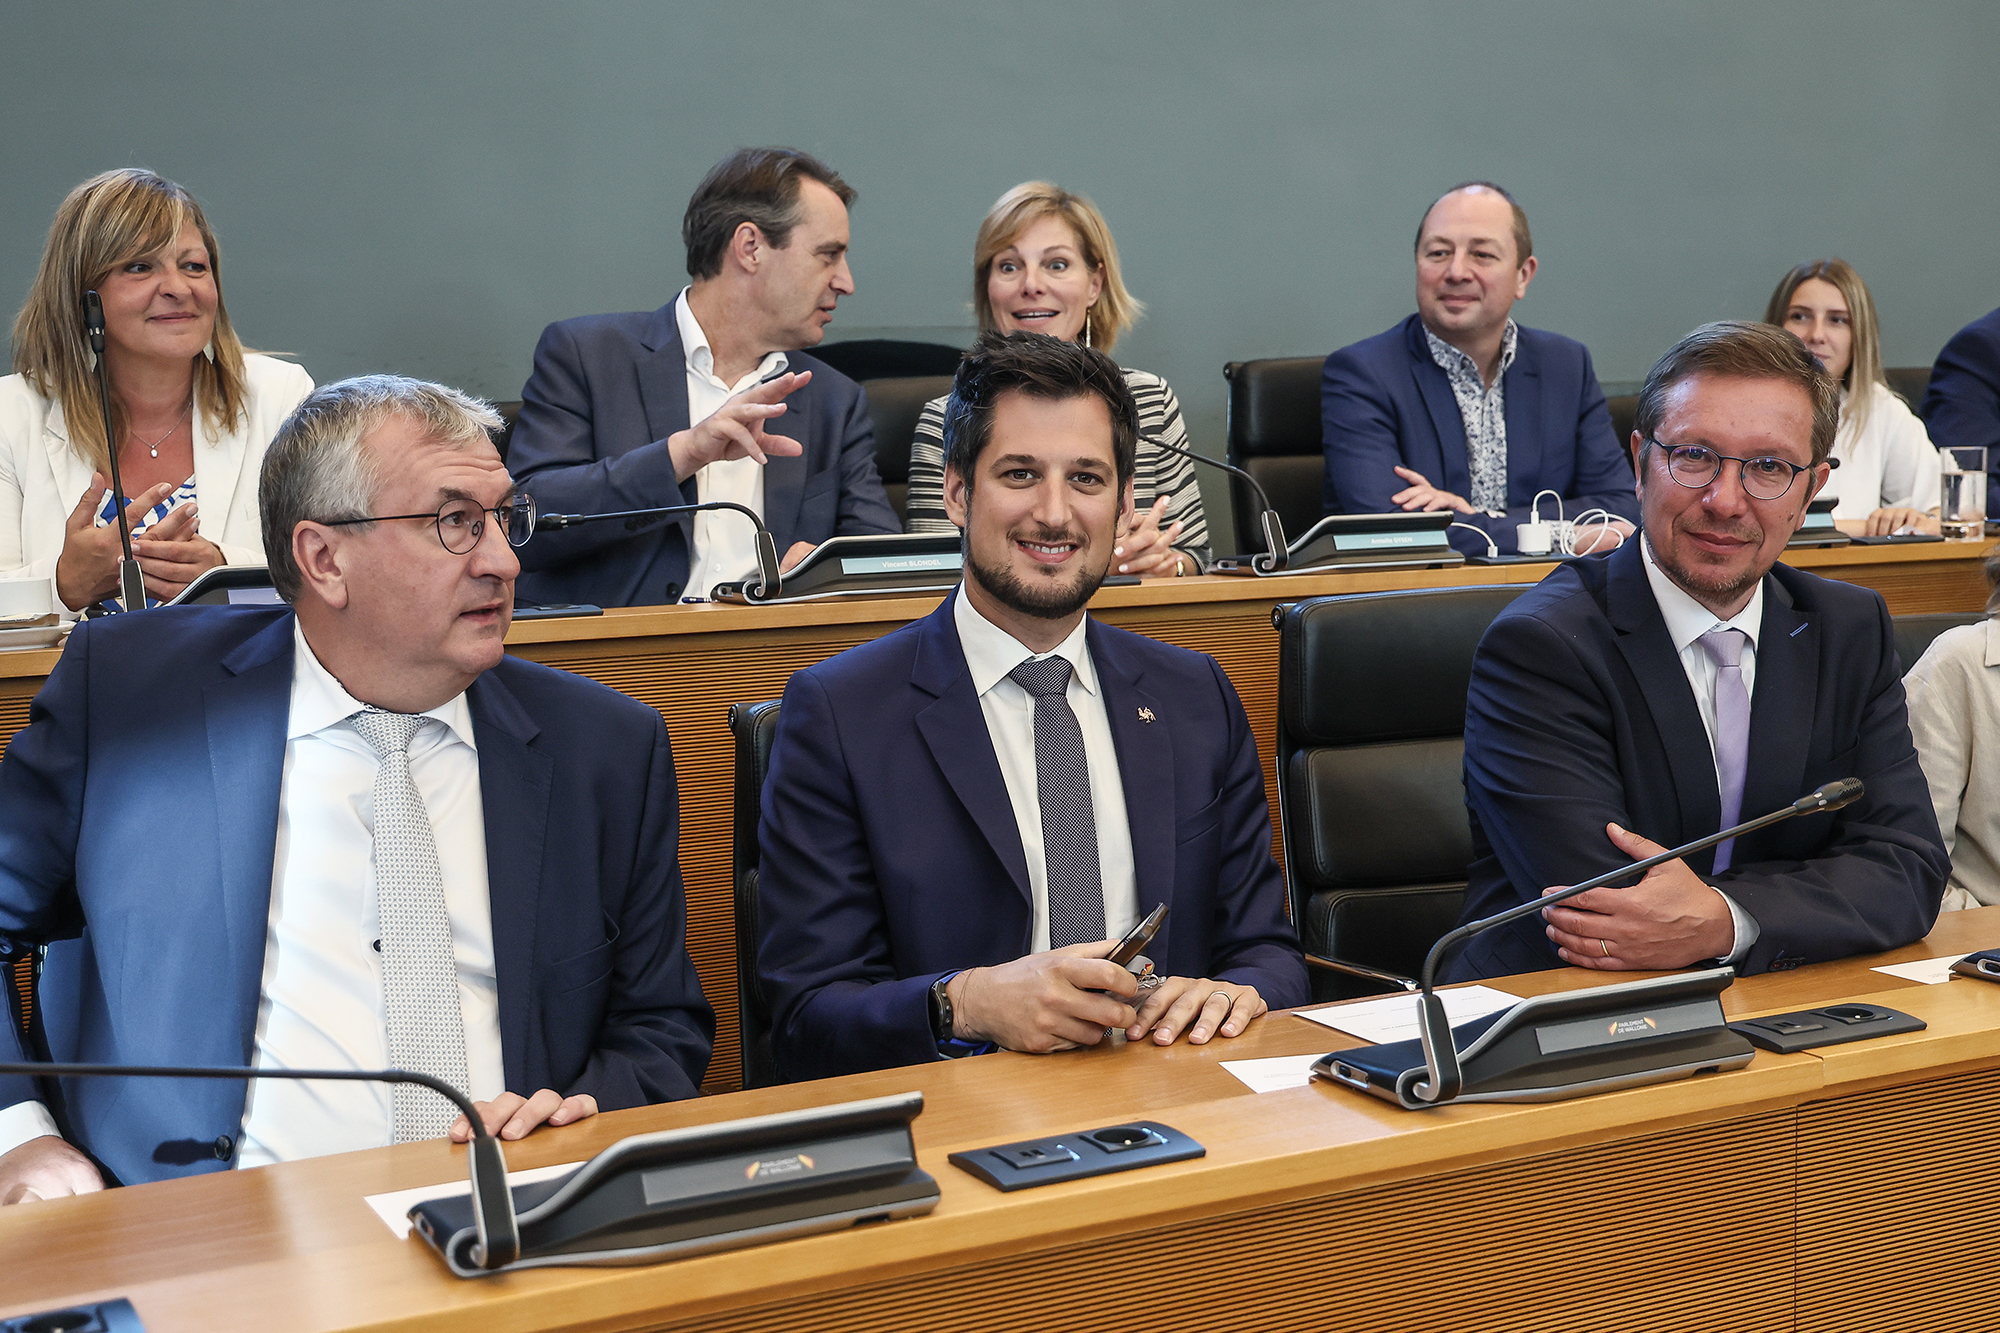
394 1208
1394 1017
1929 971
1274 1074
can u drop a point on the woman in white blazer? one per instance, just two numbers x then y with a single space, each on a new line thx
1887 480
191 411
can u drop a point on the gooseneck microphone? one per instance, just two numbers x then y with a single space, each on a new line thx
1443 1078
131 583
1276 552
768 577
492 1202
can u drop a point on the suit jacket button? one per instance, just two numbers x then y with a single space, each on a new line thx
224 1146
673 593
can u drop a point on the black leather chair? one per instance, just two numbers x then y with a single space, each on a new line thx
754 725
1274 435
1909 381
1624 412
894 404
884 358
1915 632
1371 741
509 413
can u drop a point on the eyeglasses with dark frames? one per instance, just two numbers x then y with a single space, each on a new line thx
1696 467
461 523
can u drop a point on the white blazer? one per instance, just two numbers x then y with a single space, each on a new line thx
1891 464
42 478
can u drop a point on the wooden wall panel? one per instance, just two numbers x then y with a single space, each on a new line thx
1894 1183
1427 1255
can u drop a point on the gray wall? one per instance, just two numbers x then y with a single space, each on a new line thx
421 187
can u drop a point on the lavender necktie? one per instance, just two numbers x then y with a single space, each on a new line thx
1069 828
1732 729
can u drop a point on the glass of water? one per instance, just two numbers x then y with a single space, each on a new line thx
1962 511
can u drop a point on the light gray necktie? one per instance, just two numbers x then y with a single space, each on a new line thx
426 1028
1732 730
1069 827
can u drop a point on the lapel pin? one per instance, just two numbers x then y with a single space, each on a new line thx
1145 715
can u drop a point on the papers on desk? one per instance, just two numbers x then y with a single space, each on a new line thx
1927 971
1275 1074
1394 1017
394 1208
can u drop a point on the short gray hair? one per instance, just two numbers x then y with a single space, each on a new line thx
316 470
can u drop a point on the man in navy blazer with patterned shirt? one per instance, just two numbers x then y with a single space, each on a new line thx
1460 408
939 874
1687 683
669 407
192 822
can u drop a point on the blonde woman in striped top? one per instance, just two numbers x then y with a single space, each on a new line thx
1044 262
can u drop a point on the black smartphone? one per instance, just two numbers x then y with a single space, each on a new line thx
1139 937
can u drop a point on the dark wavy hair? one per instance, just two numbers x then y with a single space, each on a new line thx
755 185
1041 367
1738 349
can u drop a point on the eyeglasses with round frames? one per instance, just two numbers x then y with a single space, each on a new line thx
1696 467
461 523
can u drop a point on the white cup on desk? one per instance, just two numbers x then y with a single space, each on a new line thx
26 601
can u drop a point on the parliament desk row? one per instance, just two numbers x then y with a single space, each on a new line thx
1844 1189
693 662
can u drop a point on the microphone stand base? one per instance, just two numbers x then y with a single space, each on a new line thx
1572 1044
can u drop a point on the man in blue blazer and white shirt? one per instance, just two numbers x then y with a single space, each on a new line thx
1687 683
198 816
1460 408
962 817
1962 403
669 407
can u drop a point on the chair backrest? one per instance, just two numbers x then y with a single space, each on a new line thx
881 358
1915 632
754 725
1275 436
894 405
1371 741
509 413
1624 412
1908 381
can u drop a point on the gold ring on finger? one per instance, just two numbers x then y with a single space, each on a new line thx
1606 946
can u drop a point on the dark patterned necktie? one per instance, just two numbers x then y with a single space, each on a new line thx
425 1026
1069 828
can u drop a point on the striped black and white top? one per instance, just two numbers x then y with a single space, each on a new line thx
1157 473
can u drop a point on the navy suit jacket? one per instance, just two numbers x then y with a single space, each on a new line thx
1580 714
1384 403
605 393
1962 404
141 826
890 855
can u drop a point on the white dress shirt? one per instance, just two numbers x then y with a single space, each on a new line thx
725 544
1687 620
322 999
322 1005
990 653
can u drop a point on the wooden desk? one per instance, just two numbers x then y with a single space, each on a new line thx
692 662
1820 1184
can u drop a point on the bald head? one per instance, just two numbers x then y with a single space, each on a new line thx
1489 202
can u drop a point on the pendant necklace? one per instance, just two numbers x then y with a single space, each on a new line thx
154 447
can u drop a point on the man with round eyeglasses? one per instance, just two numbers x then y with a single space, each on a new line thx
346 833
1688 682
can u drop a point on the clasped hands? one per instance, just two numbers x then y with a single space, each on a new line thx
171 553
1070 997
1670 919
